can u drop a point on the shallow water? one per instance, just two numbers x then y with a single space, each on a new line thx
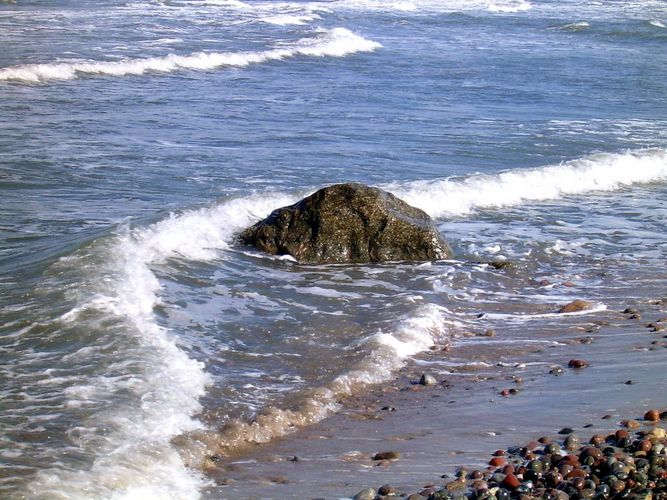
138 338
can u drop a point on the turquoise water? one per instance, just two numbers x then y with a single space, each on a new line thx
138 138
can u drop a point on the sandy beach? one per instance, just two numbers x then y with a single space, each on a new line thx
465 417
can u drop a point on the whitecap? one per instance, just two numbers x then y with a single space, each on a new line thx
598 172
336 42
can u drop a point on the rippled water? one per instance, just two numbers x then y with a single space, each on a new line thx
138 138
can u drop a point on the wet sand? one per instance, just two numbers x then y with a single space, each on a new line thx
463 419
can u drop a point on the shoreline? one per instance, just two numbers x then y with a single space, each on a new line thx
435 430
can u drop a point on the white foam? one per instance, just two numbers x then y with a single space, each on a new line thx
289 19
509 6
389 350
599 172
135 457
336 42
528 317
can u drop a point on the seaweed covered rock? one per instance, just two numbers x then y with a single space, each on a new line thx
348 223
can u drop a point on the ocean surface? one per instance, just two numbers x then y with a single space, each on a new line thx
137 138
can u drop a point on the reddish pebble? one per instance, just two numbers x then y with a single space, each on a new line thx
505 392
576 473
644 445
511 482
591 451
652 415
532 445
597 439
499 453
622 434
508 469
497 461
577 363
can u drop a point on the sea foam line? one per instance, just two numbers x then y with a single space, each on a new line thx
135 457
336 42
598 172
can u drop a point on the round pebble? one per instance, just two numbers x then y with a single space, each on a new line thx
652 415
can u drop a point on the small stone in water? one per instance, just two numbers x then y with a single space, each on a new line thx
566 430
575 306
387 455
652 415
386 489
427 380
577 363
630 424
556 370
367 494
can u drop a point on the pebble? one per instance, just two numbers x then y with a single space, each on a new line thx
511 482
621 465
571 442
366 494
556 370
575 306
577 363
427 379
630 424
386 489
387 455
652 415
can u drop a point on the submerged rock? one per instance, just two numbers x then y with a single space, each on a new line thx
576 306
349 223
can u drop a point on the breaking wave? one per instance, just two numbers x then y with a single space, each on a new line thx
336 42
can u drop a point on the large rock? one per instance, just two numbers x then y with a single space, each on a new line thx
349 223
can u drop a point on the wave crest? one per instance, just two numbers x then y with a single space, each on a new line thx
599 172
336 42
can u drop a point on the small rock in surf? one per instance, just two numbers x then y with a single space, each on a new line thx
576 306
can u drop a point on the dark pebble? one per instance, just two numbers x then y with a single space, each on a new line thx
566 430
387 455
386 489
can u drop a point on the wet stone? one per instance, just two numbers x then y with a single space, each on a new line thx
387 455
575 306
556 370
366 494
577 363
386 489
652 415
427 379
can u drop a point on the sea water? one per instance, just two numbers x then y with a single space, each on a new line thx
139 339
